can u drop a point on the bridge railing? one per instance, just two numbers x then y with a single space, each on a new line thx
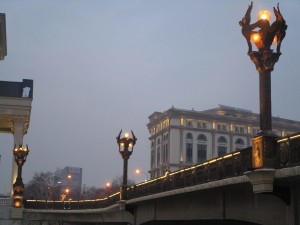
5 201
234 164
80 204
230 165
288 151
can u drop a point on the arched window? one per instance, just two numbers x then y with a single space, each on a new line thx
222 139
239 141
189 136
201 137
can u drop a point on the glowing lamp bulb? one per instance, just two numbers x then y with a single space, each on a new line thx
257 40
17 204
256 37
126 135
264 15
137 171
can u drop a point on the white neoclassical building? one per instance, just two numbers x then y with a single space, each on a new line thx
180 138
15 110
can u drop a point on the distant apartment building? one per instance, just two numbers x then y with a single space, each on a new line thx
69 180
181 138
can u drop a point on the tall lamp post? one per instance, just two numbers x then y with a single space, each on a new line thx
20 154
263 35
264 60
126 145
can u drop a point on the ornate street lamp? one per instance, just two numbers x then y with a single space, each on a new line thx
20 154
264 34
126 145
264 59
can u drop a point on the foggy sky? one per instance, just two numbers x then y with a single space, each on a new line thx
103 65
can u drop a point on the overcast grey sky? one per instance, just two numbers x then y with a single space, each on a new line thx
102 65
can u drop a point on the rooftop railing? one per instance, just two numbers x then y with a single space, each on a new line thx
4 201
22 89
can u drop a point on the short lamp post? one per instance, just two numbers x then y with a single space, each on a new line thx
126 145
20 154
263 35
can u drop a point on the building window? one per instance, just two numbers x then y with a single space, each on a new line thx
222 150
240 129
239 141
189 136
152 158
202 125
189 123
222 140
158 152
222 127
189 153
165 137
158 156
201 137
158 142
240 144
165 153
201 153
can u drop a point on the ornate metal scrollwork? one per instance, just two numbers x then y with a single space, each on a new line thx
284 153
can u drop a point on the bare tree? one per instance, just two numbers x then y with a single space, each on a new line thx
42 186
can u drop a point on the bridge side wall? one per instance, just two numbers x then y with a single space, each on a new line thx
231 203
69 217
295 204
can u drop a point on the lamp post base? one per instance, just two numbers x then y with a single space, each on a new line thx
18 189
261 179
16 213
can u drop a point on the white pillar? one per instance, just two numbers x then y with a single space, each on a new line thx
18 132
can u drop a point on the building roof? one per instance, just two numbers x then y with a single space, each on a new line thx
222 114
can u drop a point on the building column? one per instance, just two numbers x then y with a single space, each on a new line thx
231 143
18 131
181 147
213 137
